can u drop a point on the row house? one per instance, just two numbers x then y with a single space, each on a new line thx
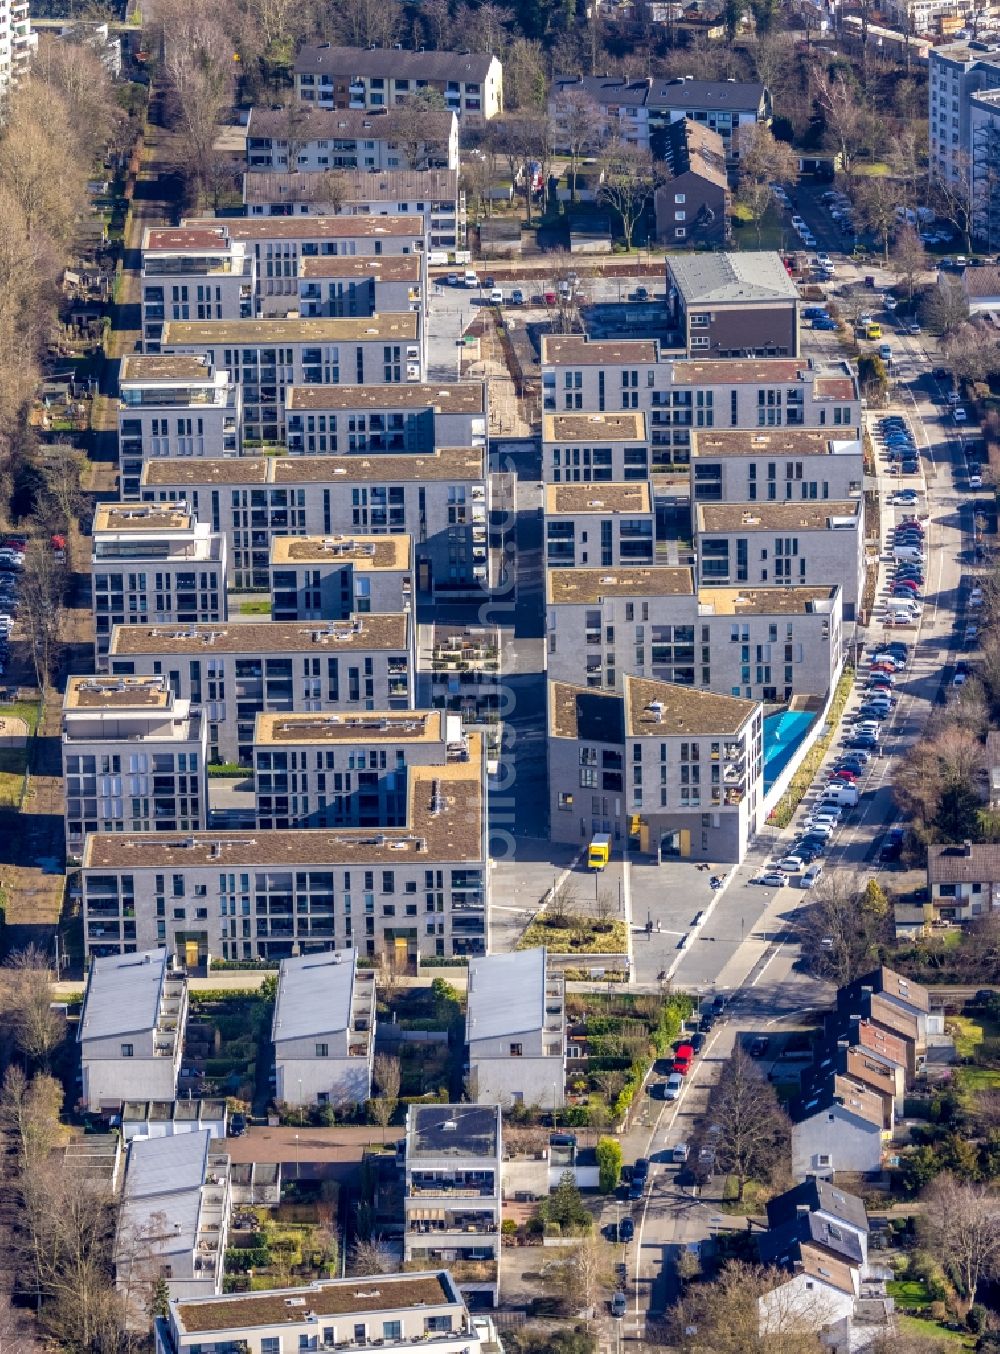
609 525
412 418
332 577
373 78
193 272
515 1031
323 1030
316 140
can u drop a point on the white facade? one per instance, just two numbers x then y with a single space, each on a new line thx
515 1031
193 273
804 1302
838 1137
776 466
333 577
608 525
324 1030
331 420
318 140
956 72
373 78
17 44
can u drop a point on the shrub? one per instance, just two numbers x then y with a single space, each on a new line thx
609 1164
977 1318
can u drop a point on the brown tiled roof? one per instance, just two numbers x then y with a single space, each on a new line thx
952 865
861 1066
345 124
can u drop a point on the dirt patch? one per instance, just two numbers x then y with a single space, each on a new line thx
13 733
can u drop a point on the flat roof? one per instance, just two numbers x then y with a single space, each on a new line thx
456 397
143 517
461 464
185 238
730 442
366 553
616 427
452 1130
123 994
646 708
100 692
506 994
372 630
807 600
315 992
163 367
577 499
374 726
728 279
207 470
250 228
802 516
381 267
579 351
568 586
257 333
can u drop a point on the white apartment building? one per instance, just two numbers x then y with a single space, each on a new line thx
237 671
309 140
332 577
420 889
193 272
265 357
606 524
131 1031
154 563
956 72
783 544
515 1030
438 499
763 644
338 285
327 420
134 759
452 1199
336 770
592 448
324 1030
372 78
678 771
173 1221
777 465
17 44
390 1314
174 406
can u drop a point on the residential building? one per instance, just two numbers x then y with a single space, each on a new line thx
515 1031
622 103
776 465
173 1222
760 643
237 671
692 206
164 1118
265 357
993 766
678 771
134 758
838 1128
17 45
956 72
391 1314
587 448
333 577
608 525
438 499
154 563
338 285
723 106
452 1200
819 1294
928 16
174 406
906 999
819 1199
852 1066
193 272
410 418
131 1031
324 1030
733 305
373 78
333 770
420 889
306 139
963 881
783 544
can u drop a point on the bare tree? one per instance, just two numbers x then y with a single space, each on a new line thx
386 1077
763 161
946 307
582 1274
728 1316
42 583
963 1222
26 999
841 933
580 125
372 1257
198 67
389 972
562 906
972 350
876 199
909 258
628 183
952 198
754 1135
29 1117
524 76
843 112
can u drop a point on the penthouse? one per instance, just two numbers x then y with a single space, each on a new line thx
607 525
323 420
341 285
193 272
331 577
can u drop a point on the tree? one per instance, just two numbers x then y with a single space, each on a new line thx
580 125
386 1078
628 183
581 1274
952 198
609 1164
936 783
390 970
565 1207
159 1301
909 258
843 928
373 1256
81 80
755 1132
873 378
876 199
524 76
972 350
946 307
763 161
198 68
26 999
518 138
725 1317
42 582
963 1223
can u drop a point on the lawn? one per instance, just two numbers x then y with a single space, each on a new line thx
14 761
909 1292
258 606
774 232
915 1325
979 1042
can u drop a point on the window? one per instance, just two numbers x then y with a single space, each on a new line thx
392 1330
565 801
322 1050
128 1050
680 197
680 216
515 1050
270 1344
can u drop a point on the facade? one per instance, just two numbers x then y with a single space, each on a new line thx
134 759
174 406
265 357
837 1129
333 577
776 465
339 286
692 207
610 525
194 272
324 1030
783 544
343 419
154 564
452 1197
439 500
963 882
733 305
588 448
131 1032
515 1031
416 889
957 72
375 78
235 672
312 140
679 772
17 45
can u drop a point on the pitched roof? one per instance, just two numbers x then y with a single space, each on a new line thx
713 95
758 275
817 1195
605 89
392 63
977 863
981 282
314 995
856 1100
783 1246
506 994
339 124
694 149
123 994
161 1203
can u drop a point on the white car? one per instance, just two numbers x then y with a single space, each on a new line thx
496 297
791 865
811 876
971 633
675 1083
797 222
960 415
976 597
975 481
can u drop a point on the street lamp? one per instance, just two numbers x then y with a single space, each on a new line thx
296 1157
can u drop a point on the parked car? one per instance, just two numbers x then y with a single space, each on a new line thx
626 1229
675 1083
619 1306
237 1125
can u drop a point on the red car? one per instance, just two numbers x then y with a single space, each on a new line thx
683 1058
549 298
845 775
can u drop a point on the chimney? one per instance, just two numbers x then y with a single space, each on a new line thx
967 849
802 1210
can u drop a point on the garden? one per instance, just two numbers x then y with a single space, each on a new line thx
290 1244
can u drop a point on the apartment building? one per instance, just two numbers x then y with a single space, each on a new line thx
420 889
692 207
265 357
733 305
306 140
333 577
134 759
238 671
17 45
193 272
373 78
956 72
324 1030
451 1195
154 563
391 1314
331 420
783 544
608 525
678 771
763 644
174 406
777 465
438 499
173 1222
131 1031
336 770
515 1031
338 285
433 194
592 448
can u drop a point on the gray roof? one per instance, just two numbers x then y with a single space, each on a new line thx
162 1198
979 864
817 1195
314 995
981 282
123 994
713 95
392 63
452 1130
757 275
506 994
604 89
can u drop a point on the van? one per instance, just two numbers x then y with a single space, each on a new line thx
908 552
599 852
846 795
873 331
437 258
469 278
